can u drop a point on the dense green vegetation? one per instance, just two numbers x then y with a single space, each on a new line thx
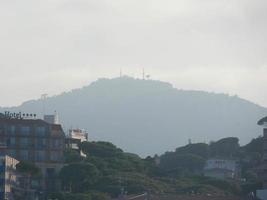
107 170
28 168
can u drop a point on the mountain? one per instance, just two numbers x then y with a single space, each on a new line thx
148 116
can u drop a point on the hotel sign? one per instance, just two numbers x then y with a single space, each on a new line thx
14 115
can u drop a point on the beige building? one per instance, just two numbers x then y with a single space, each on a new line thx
8 178
74 138
80 134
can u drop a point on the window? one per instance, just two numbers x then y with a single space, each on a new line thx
3 141
24 142
11 129
40 131
41 143
2 129
24 155
39 155
55 156
25 130
35 183
11 142
50 172
55 143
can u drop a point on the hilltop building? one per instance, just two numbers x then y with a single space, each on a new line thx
74 138
36 141
79 134
221 169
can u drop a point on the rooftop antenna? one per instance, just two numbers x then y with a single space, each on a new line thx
43 98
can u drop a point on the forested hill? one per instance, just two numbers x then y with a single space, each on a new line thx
148 117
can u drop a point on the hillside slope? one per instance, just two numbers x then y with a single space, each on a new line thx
148 117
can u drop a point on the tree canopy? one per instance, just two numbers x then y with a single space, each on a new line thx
79 176
107 169
28 168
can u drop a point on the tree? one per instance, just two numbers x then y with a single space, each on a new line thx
28 168
29 171
177 163
255 146
200 149
226 147
79 177
100 149
72 156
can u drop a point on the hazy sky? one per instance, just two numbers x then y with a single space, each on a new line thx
51 46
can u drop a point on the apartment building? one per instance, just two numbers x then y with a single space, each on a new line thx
74 138
36 141
221 168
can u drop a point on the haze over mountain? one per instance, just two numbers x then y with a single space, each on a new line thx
148 117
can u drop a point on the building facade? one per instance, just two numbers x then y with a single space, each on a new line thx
8 177
74 138
80 134
51 119
221 169
35 141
